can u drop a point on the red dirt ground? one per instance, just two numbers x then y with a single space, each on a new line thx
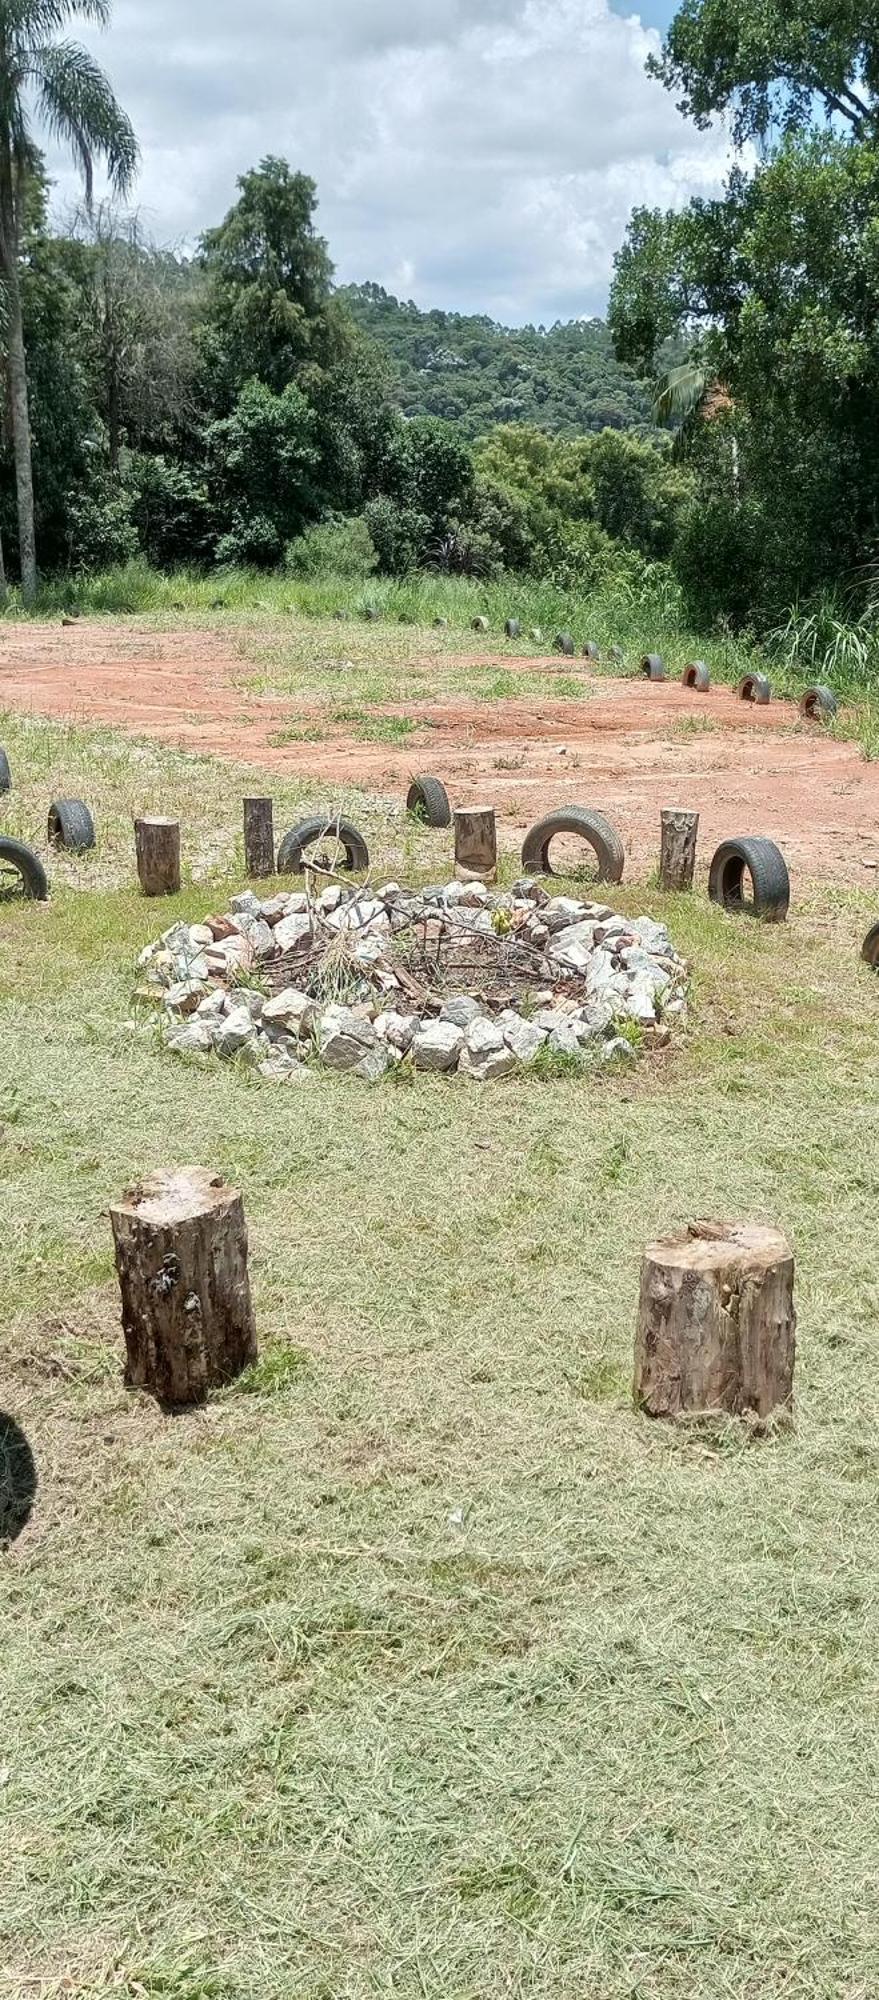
626 750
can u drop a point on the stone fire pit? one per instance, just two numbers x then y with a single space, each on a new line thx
457 979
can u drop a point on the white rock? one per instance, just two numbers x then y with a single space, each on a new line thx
185 997
565 1041
258 934
214 1005
523 1037
330 898
343 1037
438 1045
199 936
234 1031
639 1004
246 905
461 1010
291 930
484 1038
572 956
400 1031
561 911
196 1038
618 1049
491 1067
291 1009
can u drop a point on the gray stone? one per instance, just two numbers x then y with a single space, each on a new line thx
185 997
484 1038
560 911
280 1068
523 1037
461 1010
246 905
196 1038
290 932
490 1067
291 1009
375 1065
531 890
234 1031
565 1041
343 1037
330 899
214 1005
400 1031
618 1050
438 1045
259 935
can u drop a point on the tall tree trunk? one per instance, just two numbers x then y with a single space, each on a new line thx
17 366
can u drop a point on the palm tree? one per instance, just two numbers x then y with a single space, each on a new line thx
67 90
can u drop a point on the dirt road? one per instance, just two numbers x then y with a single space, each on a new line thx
629 749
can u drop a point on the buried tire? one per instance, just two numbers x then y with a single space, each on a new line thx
354 857
697 677
429 800
591 651
653 667
513 629
819 704
563 643
765 864
754 688
71 826
21 872
870 949
5 773
592 827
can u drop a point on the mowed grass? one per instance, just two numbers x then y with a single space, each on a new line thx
419 1664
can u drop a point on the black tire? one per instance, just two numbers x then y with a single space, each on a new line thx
19 861
440 624
341 617
696 676
513 629
5 773
371 615
294 844
765 864
563 643
429 799
754 688
653 667
819 704
870 949
71 826
480 625
589 826
591 651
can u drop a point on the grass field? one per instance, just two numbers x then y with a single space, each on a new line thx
418 1664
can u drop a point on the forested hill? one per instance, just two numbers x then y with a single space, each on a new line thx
564 379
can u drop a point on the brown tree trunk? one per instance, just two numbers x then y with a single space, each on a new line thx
259 837
476 845
181 1256
677 860
16 363
717 1323
158 856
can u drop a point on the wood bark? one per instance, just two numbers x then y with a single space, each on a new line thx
16 366
476 845
717 1322
677 860
158 856
181 1257
259 837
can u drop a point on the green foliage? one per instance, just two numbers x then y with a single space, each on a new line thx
336 547
269 276
399 535
774 63
262 461
171 510
478 375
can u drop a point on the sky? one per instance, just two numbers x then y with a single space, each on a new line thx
481 155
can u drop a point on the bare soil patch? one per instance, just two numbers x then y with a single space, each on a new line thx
626 747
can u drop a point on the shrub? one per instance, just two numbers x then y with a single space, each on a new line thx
340 546
399 535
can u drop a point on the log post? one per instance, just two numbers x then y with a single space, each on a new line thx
259 837
677 859
717 1322
476 845
181 1258
158 856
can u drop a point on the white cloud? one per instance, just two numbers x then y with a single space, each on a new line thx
478 154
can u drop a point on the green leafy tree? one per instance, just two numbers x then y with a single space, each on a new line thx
264 461
64 87
774 63
270 312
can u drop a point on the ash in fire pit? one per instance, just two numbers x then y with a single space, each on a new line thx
453 978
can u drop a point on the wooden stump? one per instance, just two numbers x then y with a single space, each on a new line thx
158 856
259 837
476 845
717 1322
181 1257
677 860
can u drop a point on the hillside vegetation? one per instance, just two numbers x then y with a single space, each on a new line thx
476 374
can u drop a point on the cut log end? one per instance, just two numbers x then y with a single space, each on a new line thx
717 1323
677 859
259 838
476 845
158 856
